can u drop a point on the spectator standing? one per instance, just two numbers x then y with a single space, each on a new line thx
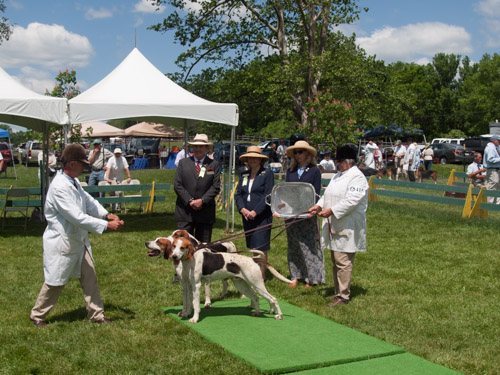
428 156
98 158
52 161
117 164
71 214
2 163
343 209
327 164
282 154
273 154
492 164
180 155
305 257
408 166
254 185
476 171
399 154
379 156
370 149
197 183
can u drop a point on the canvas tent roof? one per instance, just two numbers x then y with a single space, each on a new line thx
21 106
4 133
137 89
100 129
148 129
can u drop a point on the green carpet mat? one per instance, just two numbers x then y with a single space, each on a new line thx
398 364
302 340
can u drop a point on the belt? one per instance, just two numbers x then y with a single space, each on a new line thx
494 168
96 170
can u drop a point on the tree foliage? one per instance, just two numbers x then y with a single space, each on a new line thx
5 27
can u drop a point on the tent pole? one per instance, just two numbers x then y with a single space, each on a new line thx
44 175
12 158
230 179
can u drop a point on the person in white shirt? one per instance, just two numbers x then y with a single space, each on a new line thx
327 164
52 165
408 161
476 171
180 155
369 154
2 162
399 153
117 164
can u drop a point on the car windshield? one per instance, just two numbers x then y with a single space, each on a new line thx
3 146
147 142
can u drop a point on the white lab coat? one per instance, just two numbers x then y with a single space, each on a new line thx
347 196
369 156
71 213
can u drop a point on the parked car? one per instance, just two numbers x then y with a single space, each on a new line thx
111 147
458 141
21 147
29 154
266 146
477 144
451 153
221 150
147 145
7 153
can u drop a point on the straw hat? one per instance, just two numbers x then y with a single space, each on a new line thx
300 145
74 152
200 140
253 152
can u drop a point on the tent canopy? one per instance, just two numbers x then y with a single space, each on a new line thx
148 129
4 133
21 106
100 129
136 89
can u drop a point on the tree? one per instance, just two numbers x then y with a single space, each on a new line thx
66 87
5 27
233 32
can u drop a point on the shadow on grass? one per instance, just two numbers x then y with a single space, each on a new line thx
355 291
117 313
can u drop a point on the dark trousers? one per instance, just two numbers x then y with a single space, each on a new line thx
411 176
201 231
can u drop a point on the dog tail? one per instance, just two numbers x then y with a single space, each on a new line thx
278 275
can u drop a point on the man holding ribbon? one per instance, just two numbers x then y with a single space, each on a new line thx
197 183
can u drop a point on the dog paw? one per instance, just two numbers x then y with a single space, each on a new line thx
278 317
208 305
193 320
255 313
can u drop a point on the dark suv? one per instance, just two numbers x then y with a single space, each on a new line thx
476 144
451 153
147 145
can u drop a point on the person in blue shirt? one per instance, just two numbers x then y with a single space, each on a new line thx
305 257
491 162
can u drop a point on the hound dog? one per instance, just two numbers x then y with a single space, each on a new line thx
420 174
164 245
205 266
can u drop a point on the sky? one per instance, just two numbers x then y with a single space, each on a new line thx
93 36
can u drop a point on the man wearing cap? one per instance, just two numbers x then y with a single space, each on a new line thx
98 158
115 167
399 153
491 162
197 183
71 214
343 209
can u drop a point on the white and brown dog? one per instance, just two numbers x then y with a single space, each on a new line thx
204 265
164 245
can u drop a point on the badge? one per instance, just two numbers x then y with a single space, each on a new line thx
245 181
202 172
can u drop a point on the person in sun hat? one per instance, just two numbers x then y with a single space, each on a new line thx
98 158
115 167
305 257
399 153
491 161
71 214
197 183
253 186
343 209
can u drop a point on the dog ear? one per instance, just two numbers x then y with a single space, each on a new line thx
166 247
190 251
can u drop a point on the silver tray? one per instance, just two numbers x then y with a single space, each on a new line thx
292 198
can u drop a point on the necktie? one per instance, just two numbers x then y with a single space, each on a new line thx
198 167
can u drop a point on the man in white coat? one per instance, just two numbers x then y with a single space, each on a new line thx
343 209
409 160
370 154
71 214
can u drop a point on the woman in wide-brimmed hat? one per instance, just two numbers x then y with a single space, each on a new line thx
253 187
305 257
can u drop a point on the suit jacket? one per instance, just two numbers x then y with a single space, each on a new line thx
188 185
311 175
261 187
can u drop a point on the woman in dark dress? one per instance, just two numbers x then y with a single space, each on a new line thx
254 185
305 257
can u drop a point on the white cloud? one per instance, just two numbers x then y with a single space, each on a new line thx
414 42
490 10
16 5
36 79
100 13
49 46
146 6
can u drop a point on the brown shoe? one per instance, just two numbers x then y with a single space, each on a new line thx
337 302
102 321
38 323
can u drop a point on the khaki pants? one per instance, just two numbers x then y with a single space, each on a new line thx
342 271
49 294
493 183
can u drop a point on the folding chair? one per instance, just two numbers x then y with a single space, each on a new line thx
114 206
132 182
19 195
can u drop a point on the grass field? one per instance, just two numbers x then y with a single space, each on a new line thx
429 283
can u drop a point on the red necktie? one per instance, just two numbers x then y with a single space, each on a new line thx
198 167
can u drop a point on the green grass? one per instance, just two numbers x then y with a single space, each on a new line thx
429 283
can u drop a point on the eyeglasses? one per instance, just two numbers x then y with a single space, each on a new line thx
295 152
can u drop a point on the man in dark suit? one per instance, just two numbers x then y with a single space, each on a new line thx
197 183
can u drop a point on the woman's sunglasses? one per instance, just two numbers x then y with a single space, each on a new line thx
295 152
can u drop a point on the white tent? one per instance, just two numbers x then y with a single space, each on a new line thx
21 106
137 89
100 129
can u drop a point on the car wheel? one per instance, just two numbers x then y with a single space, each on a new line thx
442 160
